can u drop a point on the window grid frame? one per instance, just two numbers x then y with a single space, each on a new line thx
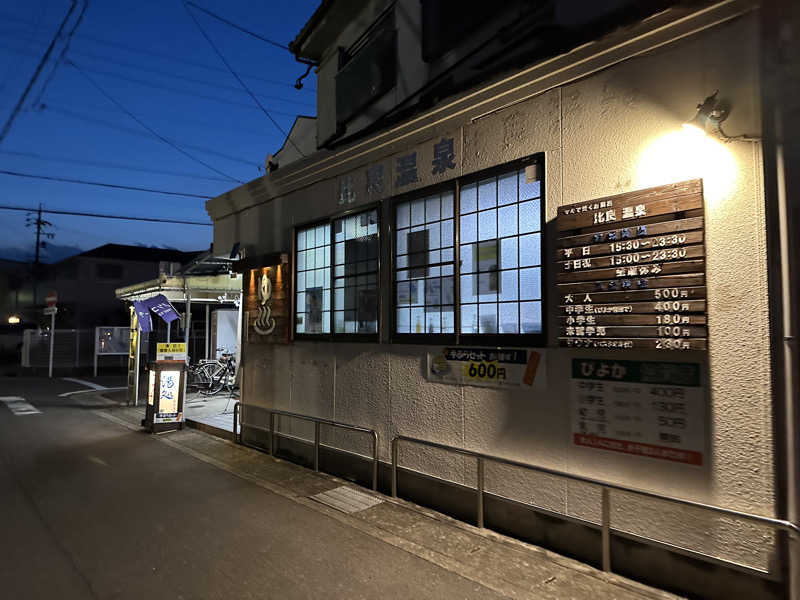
538 340
356 337
296 232
438 189
328 221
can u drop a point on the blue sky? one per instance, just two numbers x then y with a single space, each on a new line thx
150 56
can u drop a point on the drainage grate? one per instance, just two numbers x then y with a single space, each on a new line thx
347 499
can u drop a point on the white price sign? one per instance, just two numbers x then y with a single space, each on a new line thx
651 409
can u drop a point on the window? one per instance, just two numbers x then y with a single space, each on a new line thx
424 265
313 280
490 286
343 252
500 251
367 70
355 275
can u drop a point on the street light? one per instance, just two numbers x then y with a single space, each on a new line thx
13 320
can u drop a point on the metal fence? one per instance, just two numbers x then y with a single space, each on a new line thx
272 430
791 529
71 348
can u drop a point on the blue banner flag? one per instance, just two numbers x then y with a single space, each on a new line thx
143 313
161 306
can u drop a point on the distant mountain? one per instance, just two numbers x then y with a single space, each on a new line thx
50 254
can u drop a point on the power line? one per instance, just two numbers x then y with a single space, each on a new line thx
161 86
35 76
63 53
105 216
102 184
239 79
136 132
181 77
172 117
188 92
143 125
108 165
176 90
192 63
239 27
13 66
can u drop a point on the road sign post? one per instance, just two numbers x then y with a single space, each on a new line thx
51 299
51 310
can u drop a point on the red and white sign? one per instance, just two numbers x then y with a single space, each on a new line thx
648 409
51 298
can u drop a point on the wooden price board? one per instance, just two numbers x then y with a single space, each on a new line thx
631 270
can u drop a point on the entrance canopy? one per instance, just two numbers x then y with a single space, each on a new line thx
214 289
207 280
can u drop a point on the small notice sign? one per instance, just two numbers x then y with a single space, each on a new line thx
489 367
650 409
171 351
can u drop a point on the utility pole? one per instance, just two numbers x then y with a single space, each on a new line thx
38 233
40 224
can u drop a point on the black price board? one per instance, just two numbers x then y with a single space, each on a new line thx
631 270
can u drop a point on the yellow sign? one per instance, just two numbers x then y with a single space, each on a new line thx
171 348
171 351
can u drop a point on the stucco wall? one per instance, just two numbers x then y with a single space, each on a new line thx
615 131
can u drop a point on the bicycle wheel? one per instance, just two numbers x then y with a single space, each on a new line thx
200 376
217 380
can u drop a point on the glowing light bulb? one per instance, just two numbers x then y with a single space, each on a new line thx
688 154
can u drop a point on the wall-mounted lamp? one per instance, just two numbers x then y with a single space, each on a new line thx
13 320
709 117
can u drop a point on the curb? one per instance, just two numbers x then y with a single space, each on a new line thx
210 429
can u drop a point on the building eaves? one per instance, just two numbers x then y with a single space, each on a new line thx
323 28
295 46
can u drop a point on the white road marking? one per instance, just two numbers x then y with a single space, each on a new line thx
89 384
18 406
74 392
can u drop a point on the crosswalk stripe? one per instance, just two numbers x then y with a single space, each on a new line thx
19 406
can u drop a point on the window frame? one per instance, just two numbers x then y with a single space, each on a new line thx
423 338
332 335
472 339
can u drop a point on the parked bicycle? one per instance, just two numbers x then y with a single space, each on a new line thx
211 376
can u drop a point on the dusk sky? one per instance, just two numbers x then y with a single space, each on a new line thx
151 58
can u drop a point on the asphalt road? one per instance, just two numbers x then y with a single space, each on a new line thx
89 510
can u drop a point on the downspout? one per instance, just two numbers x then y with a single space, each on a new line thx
780 104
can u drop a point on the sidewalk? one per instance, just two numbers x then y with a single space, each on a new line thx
503 565
212 414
